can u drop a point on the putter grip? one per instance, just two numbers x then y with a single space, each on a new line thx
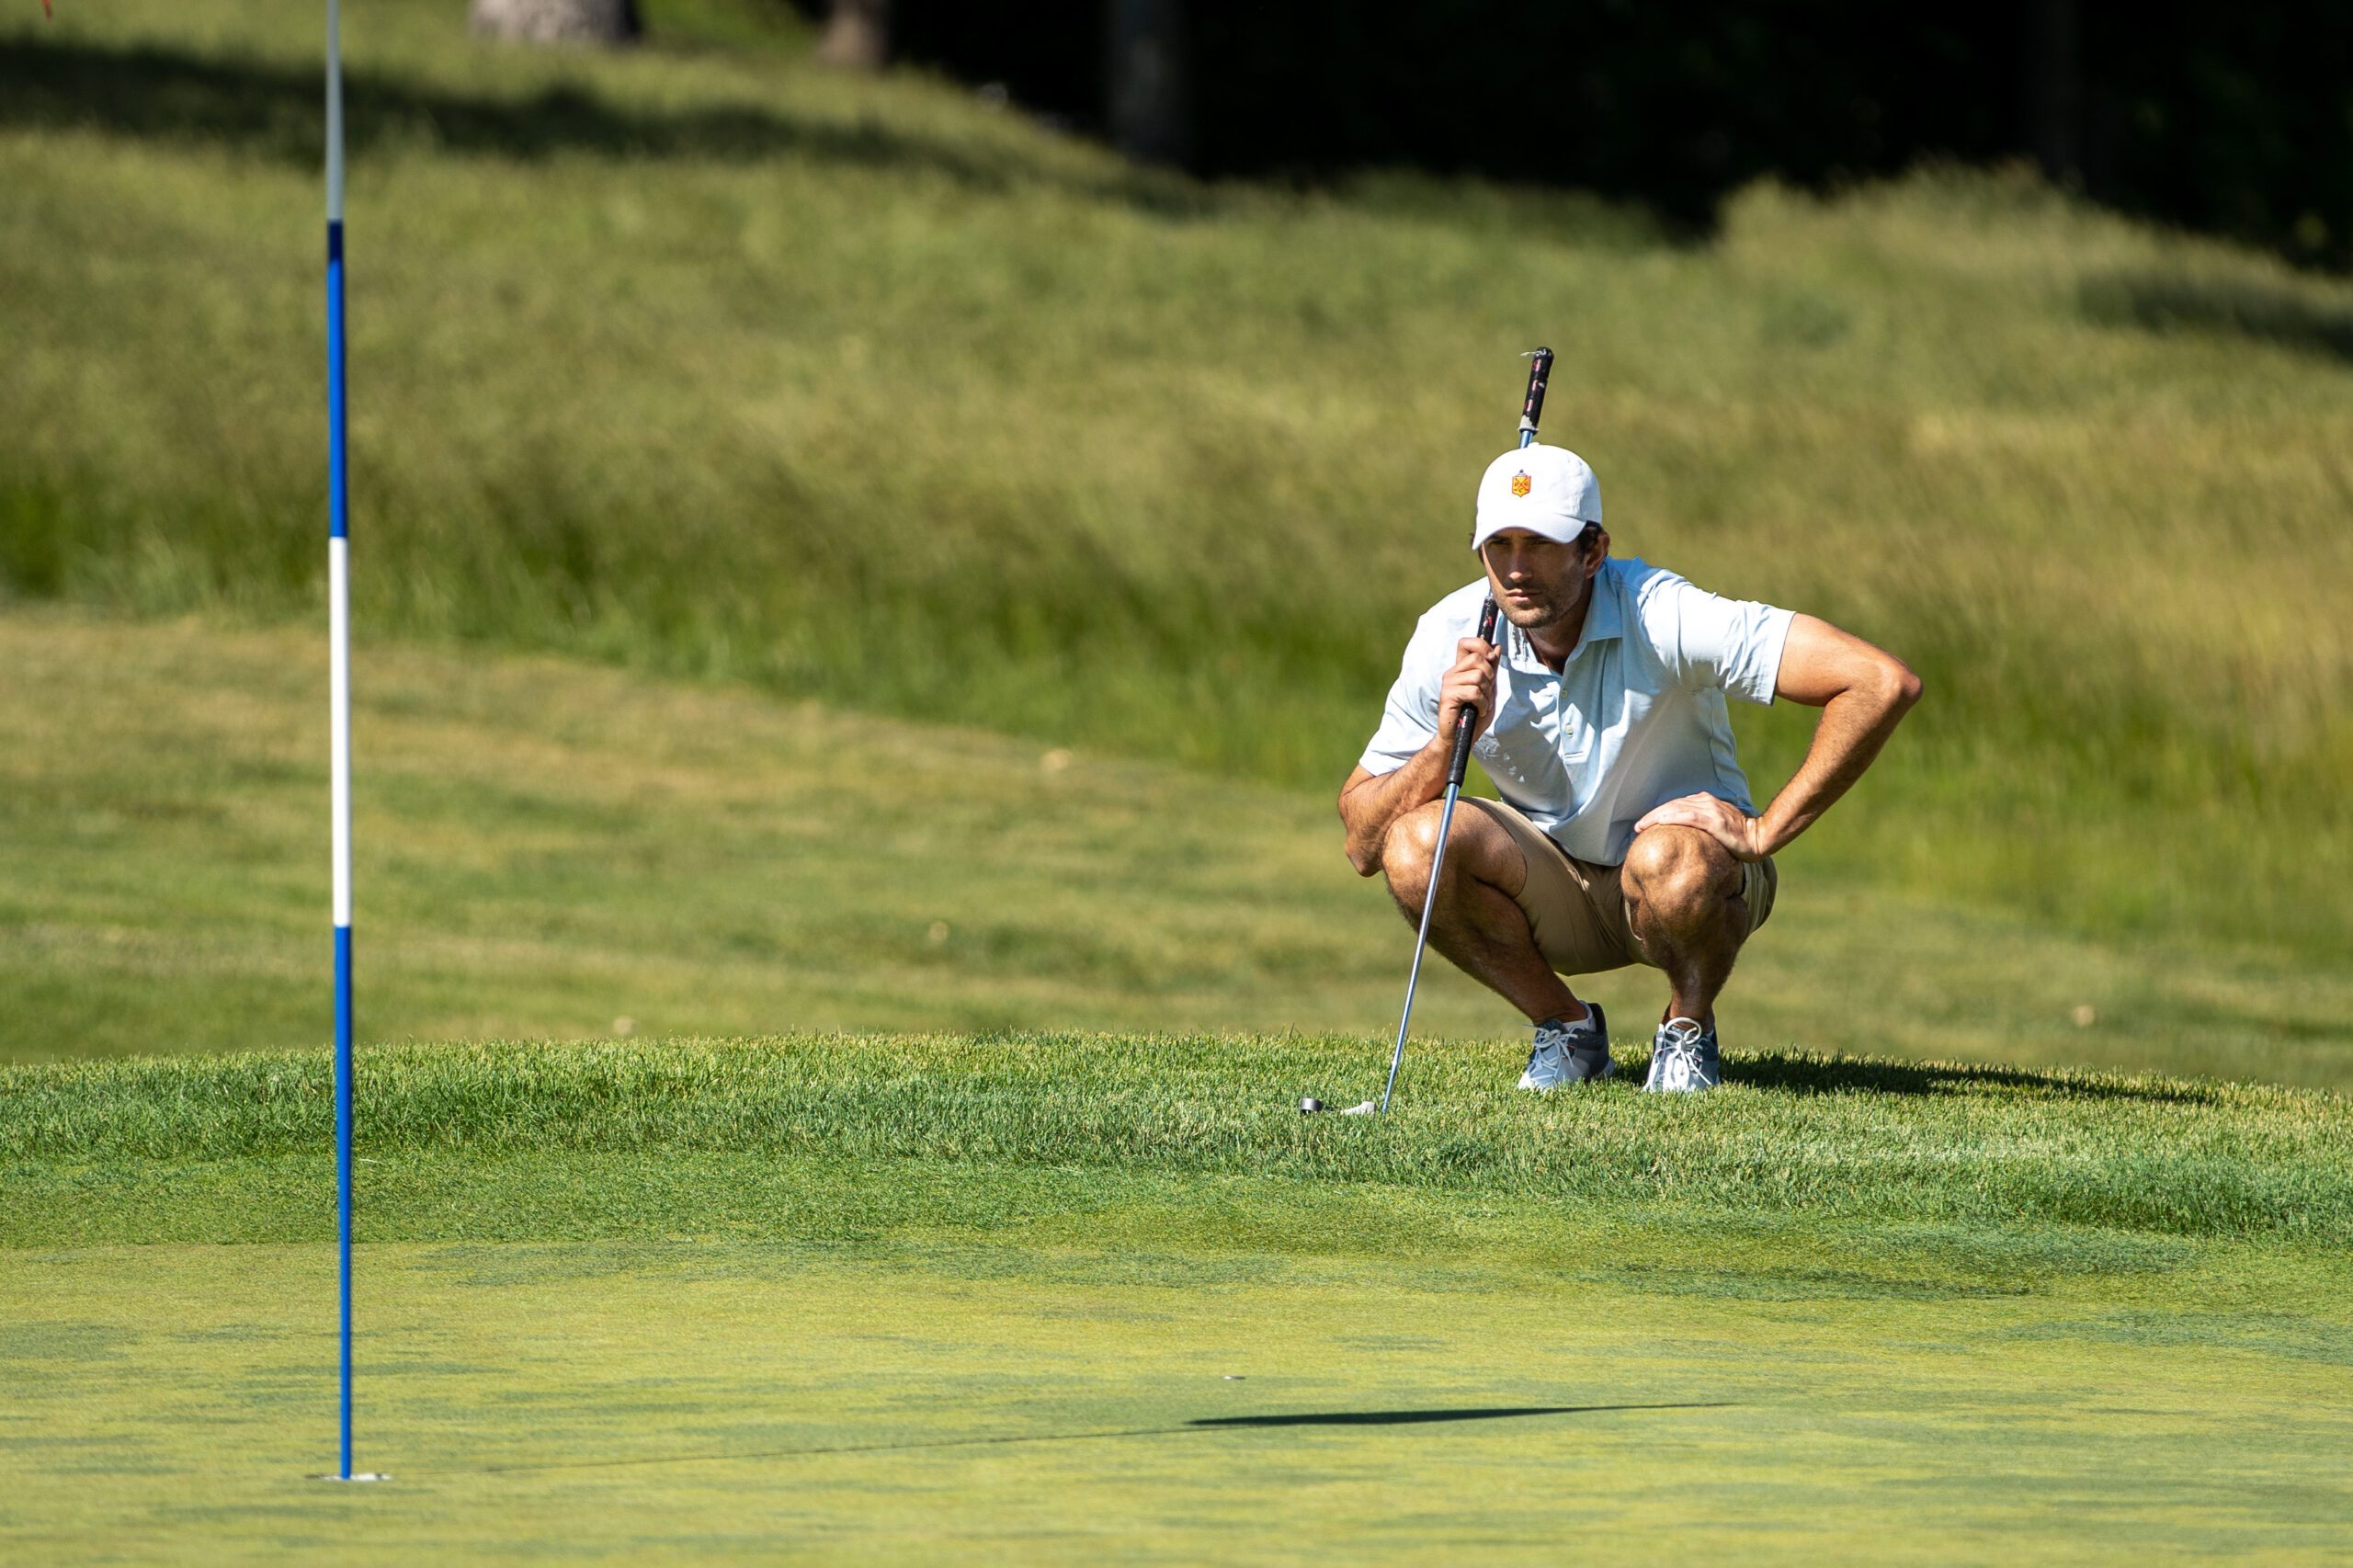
1466 722
1531 412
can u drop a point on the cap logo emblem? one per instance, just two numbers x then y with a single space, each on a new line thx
1521 483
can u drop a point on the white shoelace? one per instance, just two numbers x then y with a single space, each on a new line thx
1678 1053
1562 1039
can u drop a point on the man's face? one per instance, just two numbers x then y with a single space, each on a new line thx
1539 582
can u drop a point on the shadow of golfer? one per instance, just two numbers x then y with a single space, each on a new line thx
1418 1418
1200 1424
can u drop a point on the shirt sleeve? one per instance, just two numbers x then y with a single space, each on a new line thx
1409 718
1734 645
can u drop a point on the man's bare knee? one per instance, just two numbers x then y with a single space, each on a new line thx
1476 846
1406 855
1677 874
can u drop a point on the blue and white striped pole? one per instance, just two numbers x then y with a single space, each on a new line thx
340 719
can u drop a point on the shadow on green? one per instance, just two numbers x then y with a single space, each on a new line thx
1201 1424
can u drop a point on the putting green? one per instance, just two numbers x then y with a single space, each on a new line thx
1091 1298
1535 1382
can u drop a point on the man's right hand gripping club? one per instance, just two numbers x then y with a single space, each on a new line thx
1374 806
1470 684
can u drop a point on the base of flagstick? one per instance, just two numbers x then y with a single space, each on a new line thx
363 1475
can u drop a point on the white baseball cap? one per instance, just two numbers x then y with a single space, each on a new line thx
1549 491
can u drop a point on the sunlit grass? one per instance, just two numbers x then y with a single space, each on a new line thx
868 392
1880 1142
1096 1386
549 850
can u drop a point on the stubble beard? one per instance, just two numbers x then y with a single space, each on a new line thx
1557 606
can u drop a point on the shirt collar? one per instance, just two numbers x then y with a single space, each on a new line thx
1603 622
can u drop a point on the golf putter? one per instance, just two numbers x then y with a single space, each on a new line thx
1466 725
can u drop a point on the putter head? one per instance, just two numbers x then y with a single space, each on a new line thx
1365 1109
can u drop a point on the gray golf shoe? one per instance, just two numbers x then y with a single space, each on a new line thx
1565 1054
1684 1058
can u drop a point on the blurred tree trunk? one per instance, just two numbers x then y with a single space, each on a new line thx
2054 91
1146 96
857 35
555 21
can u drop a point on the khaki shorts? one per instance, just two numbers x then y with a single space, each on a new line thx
1576 910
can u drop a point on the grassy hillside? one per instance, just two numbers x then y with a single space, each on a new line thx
549 850
707 363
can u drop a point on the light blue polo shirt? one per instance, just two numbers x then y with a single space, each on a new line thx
1634 718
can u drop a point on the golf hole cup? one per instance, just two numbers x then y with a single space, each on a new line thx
1309 1105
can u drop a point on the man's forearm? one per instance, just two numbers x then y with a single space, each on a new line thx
1373 806
1855 724
1371 803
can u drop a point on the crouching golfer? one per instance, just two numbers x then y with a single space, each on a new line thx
1625 833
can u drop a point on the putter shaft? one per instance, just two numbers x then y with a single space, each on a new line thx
1465 726
1421 941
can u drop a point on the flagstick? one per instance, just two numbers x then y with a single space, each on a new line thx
339 721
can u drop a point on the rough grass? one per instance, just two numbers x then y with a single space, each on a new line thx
1882 1142
551 851
710 363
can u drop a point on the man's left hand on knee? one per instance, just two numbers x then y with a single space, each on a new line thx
1741 833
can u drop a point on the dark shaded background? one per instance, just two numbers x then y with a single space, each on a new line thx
2234 119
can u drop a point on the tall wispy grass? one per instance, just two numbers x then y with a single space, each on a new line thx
719 365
